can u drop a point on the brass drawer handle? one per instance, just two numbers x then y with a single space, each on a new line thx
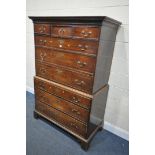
42 55
42 41
74 125
61 31
42 86
86 33
42 29
80 83
42 70
61 42
76 111
43 98
83 47
57 101
81 64
59 71
76 100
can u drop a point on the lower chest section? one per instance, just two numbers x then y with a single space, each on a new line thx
68 108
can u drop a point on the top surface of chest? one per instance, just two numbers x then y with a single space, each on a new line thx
93 20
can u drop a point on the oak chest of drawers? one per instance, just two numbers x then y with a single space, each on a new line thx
73 57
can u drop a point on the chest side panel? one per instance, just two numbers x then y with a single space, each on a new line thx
105 55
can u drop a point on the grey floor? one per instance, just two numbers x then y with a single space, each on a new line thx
43 138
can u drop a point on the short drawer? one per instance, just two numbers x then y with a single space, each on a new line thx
61 118
62 105
80 81
89 47
42 28
87 32
62 31
73 97
76 31
81 62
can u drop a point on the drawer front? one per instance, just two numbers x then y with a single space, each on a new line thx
87 32
62 105
42 28
76 31
89 47
62 118
76 80
61 31
76 61
63 93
